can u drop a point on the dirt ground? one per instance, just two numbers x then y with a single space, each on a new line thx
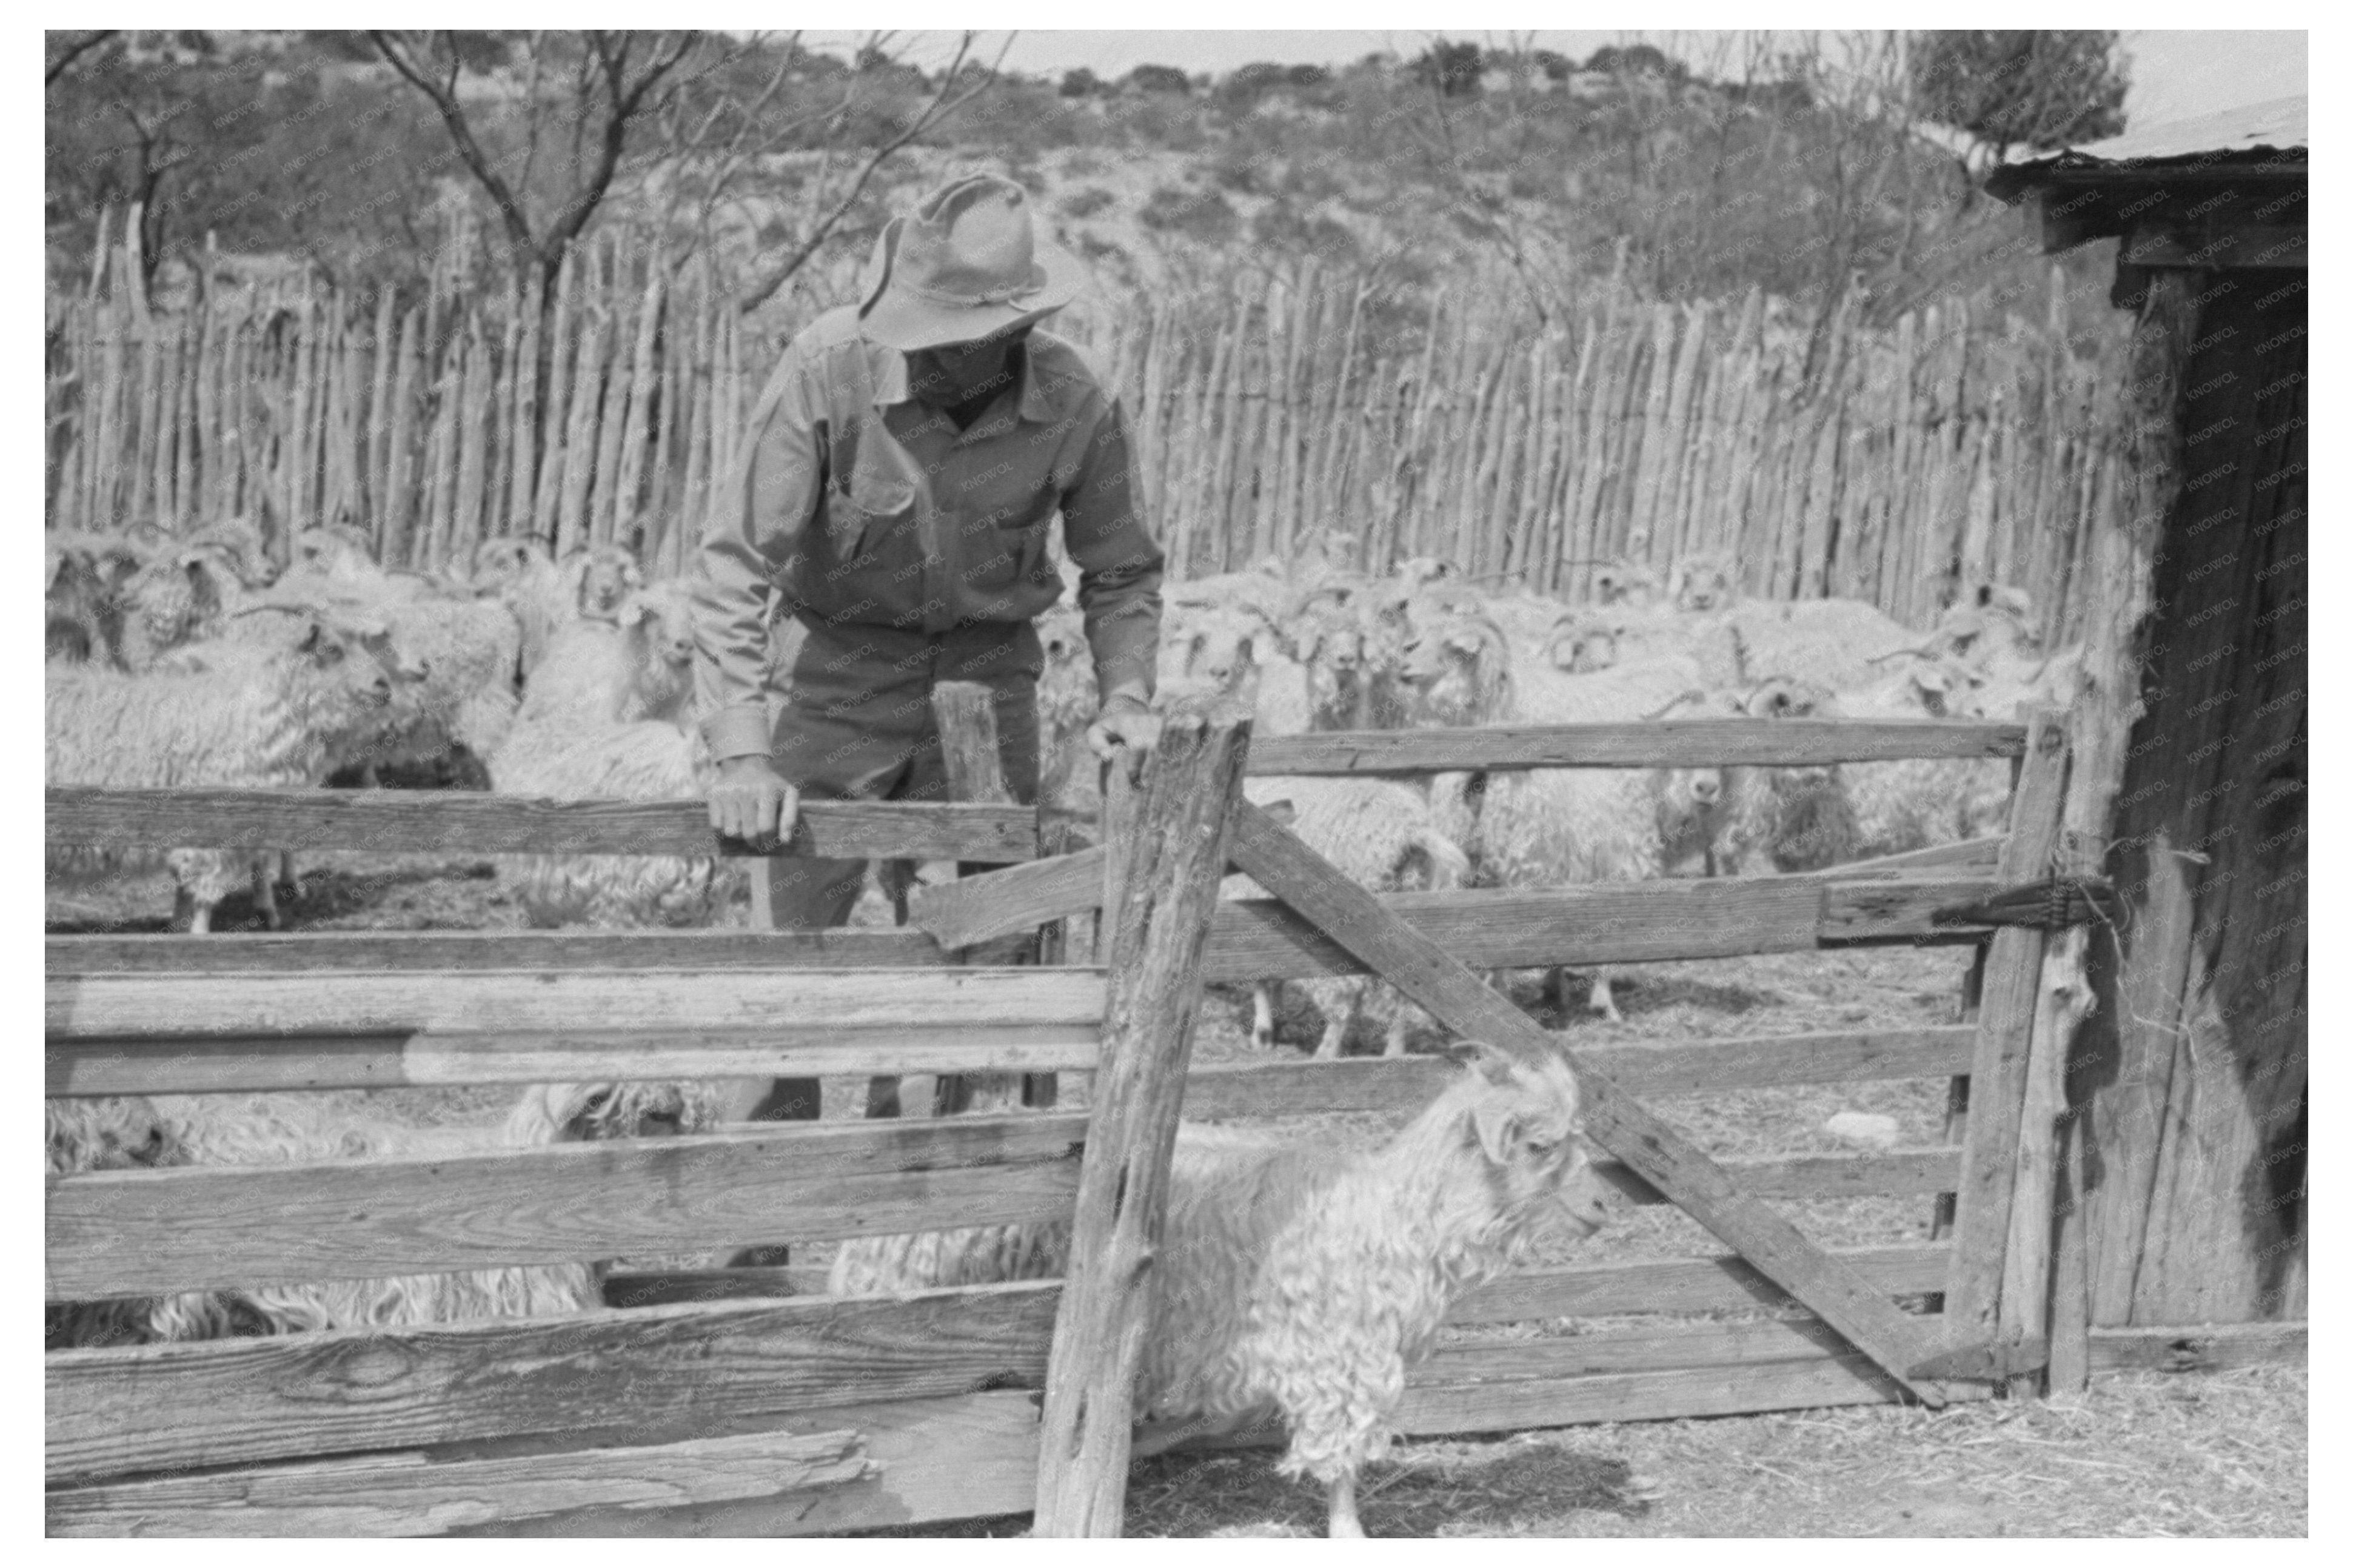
2219 1454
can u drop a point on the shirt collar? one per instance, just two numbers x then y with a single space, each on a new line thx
1036 400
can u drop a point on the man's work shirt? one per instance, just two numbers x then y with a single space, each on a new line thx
864 507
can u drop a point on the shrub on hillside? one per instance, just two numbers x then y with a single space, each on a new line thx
1158 79
1204 215
1086 201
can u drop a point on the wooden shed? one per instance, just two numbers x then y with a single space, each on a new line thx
2184 1120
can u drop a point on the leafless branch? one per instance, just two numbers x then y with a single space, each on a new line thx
941 106
443 95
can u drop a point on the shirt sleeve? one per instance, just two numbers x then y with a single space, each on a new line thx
1119 565
754 526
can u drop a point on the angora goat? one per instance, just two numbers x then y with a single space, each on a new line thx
249 714
1920 801
1378 833
1551 827
1302 1278
1785 819
653 760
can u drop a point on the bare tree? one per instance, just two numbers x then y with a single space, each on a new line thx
617 83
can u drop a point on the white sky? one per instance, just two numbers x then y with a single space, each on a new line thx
2174 74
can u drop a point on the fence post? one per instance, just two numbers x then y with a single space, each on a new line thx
1175 860
964 713
2000 1070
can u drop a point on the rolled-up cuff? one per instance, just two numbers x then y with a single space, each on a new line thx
741 731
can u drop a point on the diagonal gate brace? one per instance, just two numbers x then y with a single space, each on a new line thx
1441 983
999 903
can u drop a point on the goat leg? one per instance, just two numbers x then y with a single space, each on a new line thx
264 892
1600 999
1344 1525
1263 1016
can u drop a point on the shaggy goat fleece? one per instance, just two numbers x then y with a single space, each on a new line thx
1304 1277
273 1130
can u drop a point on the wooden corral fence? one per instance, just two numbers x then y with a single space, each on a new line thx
763 1412
1881 464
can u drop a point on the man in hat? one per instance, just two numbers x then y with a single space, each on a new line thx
894 490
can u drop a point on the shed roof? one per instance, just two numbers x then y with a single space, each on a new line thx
2273 131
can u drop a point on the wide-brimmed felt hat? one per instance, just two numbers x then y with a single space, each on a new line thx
967 263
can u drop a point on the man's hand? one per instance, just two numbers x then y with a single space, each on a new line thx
752 802
1126 720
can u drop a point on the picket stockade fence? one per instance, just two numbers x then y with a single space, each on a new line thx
1877 463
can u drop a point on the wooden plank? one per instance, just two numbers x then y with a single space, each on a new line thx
702 949
408 1494
182 1067
1420 968
1900 1170
652 1288
2210 1347
1431 1409
1643 922
471 1001
1651 743
1174 861
966 1458
649 1374
1001 903
963 712
1403 1086
1997 1070
136 1232
1681 1285
390 821
1963 857
1647 1285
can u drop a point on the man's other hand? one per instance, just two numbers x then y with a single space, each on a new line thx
752 802
1126 721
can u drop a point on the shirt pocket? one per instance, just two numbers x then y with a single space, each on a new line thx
875 499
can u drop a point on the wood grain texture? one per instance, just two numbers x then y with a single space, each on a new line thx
674 1370
399 821
1980 857
1680 1284
408 1494
1261 938
182 1067
128 1232
1403 1086
1249 939
657 1287
1663 1157
1651 743
1000 902
705 949
964 1457
2210 1347
1434 1408
1997 1068
1896 1171
1166 895
115 1006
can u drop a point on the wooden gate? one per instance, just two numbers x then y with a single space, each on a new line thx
797 1416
